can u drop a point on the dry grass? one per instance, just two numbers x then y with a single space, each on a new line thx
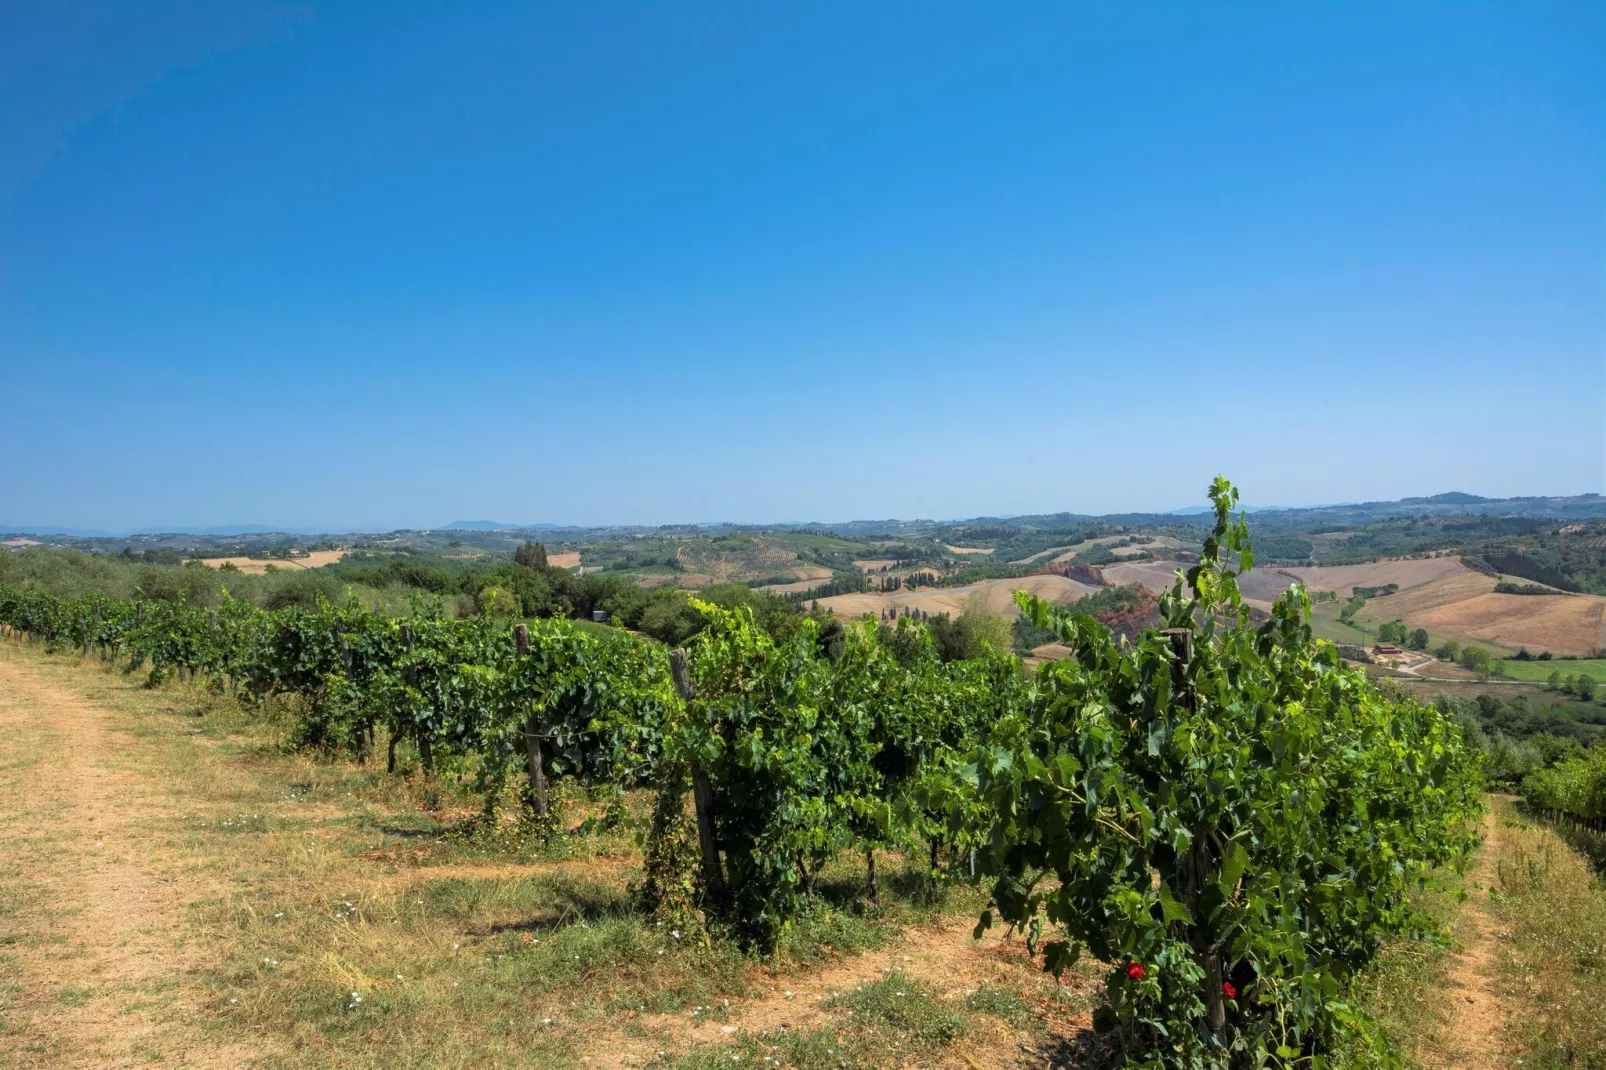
1462 605
1440 594
1562 624
707 564
1157 543
1524 980
998 595
567 559
1406 573
1155 575
1408 987
1553 906
315 559
790 588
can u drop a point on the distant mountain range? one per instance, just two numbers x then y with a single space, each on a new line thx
496 525
1205 510
91 533
1453 503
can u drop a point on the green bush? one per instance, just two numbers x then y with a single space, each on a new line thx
1233 823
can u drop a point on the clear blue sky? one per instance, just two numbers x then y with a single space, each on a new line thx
378 265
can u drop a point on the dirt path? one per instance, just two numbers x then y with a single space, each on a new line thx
101 970
1475 1037
797 1001
943 957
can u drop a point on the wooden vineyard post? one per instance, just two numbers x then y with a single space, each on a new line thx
702 794
532 736
412 682
1199 856
1181 640
139 622
363 747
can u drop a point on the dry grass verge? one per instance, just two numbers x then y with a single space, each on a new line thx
1553 904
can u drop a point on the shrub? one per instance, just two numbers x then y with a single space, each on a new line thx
1240 809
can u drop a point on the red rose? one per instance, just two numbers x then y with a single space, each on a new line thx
1228 991
1134 970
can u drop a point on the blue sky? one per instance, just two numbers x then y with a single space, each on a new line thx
379 265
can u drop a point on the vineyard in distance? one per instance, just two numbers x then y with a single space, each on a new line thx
1285 788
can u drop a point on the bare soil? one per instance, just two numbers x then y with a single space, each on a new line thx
1474 1039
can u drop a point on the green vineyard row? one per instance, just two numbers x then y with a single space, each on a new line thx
1574 787
1221 812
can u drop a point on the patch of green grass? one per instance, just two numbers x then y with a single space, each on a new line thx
74 996
998 1001
883 1022
1405 987
814 1049
827 928
1325 624
1540 670
556 898
905 1005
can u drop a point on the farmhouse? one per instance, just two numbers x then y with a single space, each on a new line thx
1387 648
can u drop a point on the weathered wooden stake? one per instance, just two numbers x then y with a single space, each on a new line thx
1199 856
424 755
532 736
1181 640
702 794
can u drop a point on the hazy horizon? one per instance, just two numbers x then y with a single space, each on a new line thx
228 529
